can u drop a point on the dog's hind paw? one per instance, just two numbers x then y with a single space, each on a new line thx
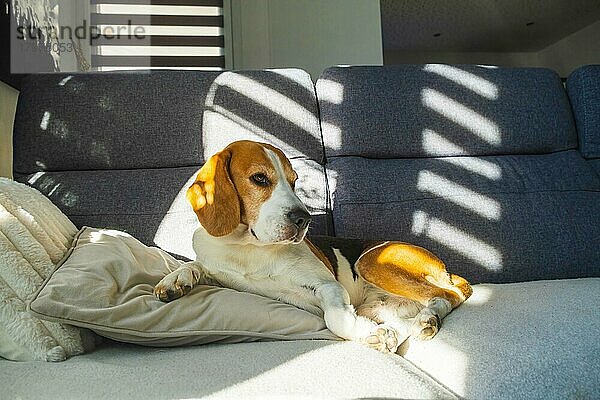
425 325
383 338
56 354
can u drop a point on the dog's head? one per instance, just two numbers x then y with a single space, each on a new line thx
251 184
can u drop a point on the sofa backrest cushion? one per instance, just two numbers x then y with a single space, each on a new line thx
443 110
583 86
118 150
130 120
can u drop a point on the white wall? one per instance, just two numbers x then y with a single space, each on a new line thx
8 105
307 34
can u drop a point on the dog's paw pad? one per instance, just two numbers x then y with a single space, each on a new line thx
169 293
425 326
382 338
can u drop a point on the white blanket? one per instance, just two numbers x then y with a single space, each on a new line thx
34 236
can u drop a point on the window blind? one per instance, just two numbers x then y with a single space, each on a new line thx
157 34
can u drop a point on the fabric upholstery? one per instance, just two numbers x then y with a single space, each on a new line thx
596 165
106 285
443 110
313 369
149 204
583 86
518 341
130 120
491 219
116 150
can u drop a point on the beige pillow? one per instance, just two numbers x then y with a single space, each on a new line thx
106 283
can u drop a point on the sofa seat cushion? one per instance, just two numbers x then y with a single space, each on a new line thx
491 219
306 369
518 341
106 284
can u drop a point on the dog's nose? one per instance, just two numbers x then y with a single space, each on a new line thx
299 217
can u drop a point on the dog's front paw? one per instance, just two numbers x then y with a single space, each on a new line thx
383 338
175 285
425 325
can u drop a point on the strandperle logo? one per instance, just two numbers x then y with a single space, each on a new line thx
81 32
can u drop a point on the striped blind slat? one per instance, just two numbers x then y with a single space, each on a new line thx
158 61
133 34
159 40
168 20
215 3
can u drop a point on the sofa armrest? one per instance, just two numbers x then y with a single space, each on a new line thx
583 86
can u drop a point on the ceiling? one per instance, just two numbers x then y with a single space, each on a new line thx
482 25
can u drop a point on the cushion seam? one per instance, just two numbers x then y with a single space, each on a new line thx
343 203
162 334
437 157
165 167
156 213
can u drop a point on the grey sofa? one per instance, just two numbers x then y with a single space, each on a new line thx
496 170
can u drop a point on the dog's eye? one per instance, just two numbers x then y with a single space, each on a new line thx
260 179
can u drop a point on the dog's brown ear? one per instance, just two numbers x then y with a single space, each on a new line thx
214 197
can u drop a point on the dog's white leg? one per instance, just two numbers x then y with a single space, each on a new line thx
427 322
342 320
179 282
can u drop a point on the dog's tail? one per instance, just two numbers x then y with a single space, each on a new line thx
462 285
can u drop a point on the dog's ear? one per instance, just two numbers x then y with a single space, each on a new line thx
214 197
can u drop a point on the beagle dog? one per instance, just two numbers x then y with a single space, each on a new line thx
251 238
